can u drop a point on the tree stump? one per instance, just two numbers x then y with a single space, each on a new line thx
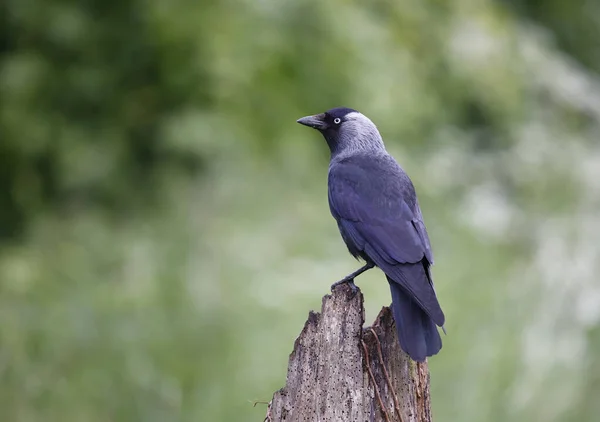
340 371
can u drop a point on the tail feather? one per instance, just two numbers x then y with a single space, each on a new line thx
417 333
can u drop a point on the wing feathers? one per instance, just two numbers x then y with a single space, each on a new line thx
375 218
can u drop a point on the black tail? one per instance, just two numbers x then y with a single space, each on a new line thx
417 333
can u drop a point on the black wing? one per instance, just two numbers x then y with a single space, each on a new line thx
376 208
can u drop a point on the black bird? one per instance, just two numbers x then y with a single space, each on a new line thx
375 205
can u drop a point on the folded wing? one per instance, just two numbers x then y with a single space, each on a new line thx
379 216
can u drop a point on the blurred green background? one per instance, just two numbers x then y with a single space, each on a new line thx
164 226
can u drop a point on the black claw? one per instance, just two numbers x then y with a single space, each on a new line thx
349 282
337 283
353 286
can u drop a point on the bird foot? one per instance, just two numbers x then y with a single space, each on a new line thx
348 281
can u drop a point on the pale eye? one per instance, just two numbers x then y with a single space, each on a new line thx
337 120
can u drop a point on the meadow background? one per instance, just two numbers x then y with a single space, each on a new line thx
164 227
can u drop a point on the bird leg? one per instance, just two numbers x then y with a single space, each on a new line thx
350 278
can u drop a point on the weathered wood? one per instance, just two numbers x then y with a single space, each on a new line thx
336 371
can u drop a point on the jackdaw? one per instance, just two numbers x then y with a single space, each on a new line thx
376 208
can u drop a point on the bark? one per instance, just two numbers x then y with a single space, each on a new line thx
340 371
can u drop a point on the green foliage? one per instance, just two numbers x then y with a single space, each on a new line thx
164 223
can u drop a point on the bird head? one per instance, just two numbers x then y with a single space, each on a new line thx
345 130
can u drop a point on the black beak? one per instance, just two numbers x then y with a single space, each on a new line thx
316 122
